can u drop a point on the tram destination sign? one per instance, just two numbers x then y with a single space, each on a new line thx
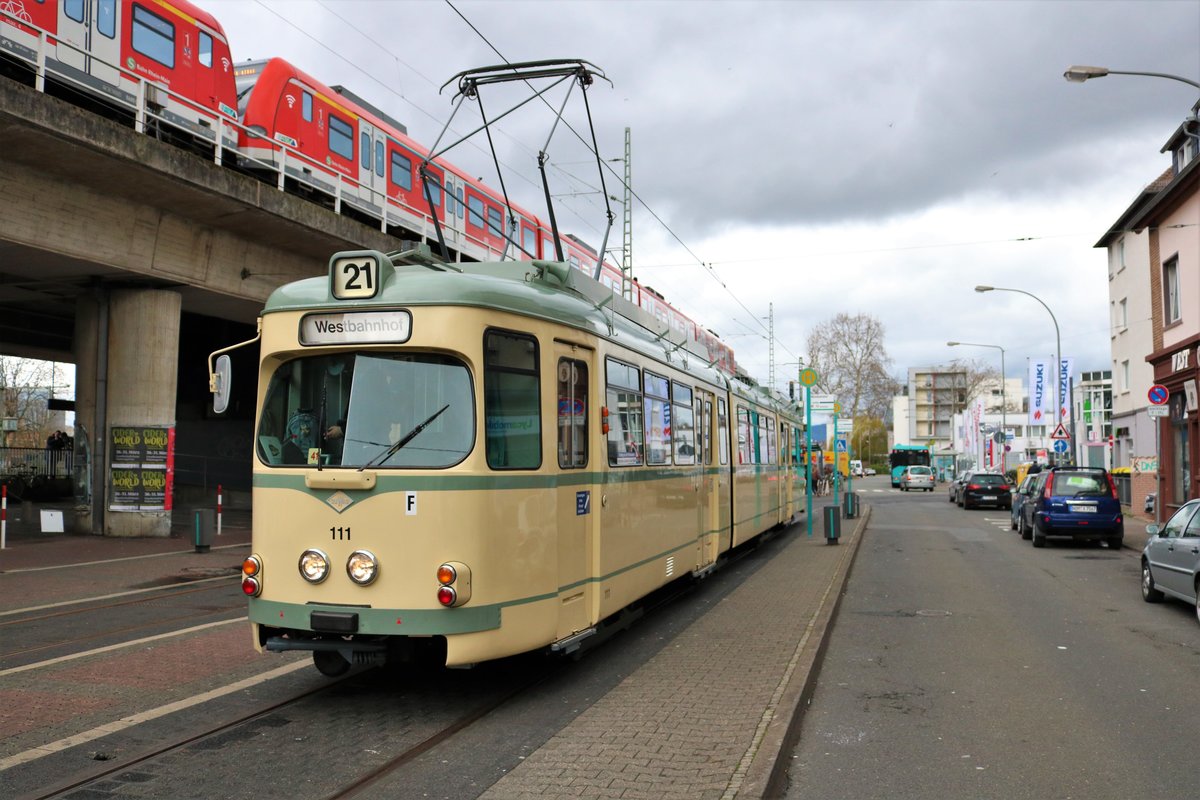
357 327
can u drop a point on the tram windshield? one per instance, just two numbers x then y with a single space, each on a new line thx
368 410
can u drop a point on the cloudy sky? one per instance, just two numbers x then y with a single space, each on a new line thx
865 157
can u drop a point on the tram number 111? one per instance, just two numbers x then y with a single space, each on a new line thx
338 534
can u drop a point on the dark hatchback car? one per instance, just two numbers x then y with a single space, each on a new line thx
1019 496
984 489
1078 503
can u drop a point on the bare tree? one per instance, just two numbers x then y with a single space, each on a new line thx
25 387
852 364
976 376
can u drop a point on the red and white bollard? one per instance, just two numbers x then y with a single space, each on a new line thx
218 509
4 517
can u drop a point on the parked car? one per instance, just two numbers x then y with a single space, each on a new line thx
916 477
985 489
1018 499
1171 558
868 470
955 483
1078 503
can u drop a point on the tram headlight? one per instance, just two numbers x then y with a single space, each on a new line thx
362 567
454 584
314 565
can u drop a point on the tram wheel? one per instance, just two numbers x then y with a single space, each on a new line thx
330 663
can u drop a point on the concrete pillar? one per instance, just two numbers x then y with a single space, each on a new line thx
88 517
138 391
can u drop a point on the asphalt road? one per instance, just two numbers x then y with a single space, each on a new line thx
964 663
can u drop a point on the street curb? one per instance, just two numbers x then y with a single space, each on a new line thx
767 775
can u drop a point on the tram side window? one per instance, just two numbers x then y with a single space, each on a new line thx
723 428
572 413
658 420
745 434
766 427
683 427
624 399
153 37
511 401
707 432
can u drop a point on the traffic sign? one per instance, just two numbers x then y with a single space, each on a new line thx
840 446
808 377
1158 394
1061 434
1158 411
1061 446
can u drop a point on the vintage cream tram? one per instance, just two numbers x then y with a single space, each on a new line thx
460 462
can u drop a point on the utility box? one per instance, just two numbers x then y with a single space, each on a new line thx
833 524
850 505
206 529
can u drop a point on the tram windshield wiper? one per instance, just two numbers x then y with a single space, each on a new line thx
405 439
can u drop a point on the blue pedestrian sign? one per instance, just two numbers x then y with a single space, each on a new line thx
840 446
1061 446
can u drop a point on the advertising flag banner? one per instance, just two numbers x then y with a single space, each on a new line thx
1065 370
1041 393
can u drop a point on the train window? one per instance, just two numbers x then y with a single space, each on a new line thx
495 221
511 401
401 171
364 149
73 9
341 137
206 49
106 23
529 242
379 158
359 410
458 194
306 106
432 180
683 425
475 211
723 430
572 413
658 420
153 37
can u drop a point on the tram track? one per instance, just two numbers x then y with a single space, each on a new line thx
15 626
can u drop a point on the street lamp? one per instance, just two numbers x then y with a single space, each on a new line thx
1079 74
1003 399
1057 347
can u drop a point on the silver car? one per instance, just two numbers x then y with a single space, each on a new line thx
916 478
1171 558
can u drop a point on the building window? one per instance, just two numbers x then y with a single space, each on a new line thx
1124 387
1171 290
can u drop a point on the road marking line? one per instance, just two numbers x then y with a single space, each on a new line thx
118 646
115 560
116 594
146 716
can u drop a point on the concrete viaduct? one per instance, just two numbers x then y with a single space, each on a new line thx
134 259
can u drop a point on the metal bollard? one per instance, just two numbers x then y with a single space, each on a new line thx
850 505
833 524
206 528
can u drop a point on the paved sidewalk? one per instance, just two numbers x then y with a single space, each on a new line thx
716 714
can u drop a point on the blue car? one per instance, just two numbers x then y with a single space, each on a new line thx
1077 503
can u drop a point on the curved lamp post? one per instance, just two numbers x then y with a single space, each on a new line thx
1057 347
1079 74
1003 399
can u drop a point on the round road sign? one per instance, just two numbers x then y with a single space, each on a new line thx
808 377
1061 446
1158 394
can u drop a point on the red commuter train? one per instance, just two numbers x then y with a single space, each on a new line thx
172 59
